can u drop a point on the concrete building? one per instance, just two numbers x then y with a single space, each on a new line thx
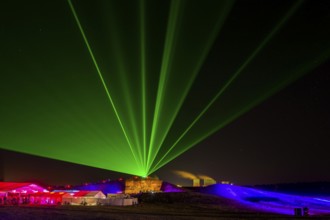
208 182
203 182
196 182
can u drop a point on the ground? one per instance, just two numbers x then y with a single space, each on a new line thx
192 206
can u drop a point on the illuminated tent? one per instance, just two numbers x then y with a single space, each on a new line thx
119 200
20 188
17 193
83 198
47 198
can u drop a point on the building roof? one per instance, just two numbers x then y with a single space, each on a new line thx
50 194
85 194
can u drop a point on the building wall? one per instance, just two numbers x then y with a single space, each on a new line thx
208 182
196 182
203 182
134 186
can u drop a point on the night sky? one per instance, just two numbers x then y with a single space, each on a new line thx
284 137
283 140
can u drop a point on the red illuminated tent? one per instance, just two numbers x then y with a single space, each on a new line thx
21 188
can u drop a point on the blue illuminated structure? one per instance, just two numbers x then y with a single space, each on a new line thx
112 187
271 202
118 186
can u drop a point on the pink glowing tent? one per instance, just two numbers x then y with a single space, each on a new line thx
49 198
24 188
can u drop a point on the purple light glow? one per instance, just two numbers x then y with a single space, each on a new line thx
270 202
168 187
112 187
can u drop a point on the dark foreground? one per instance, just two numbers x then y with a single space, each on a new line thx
145 211
187 205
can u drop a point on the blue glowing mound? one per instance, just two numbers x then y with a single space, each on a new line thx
271 202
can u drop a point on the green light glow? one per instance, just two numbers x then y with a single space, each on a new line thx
131 85
143 81
232 79
101 78
205 47
170 41
294 75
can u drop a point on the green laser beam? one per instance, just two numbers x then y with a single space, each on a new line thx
124 51
143 81
236 74
100 75
130 123
206 49
291 78
165 66
134 125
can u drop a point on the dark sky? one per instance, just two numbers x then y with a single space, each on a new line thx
283 139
